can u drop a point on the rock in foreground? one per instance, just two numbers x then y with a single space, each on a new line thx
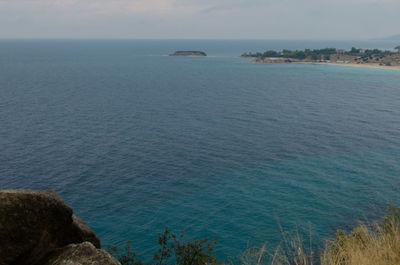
80 254
34 224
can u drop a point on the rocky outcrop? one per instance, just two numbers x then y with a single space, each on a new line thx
36 224
80 254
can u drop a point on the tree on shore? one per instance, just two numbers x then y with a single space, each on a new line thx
398 49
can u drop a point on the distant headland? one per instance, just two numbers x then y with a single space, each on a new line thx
189 53
355 57
393 37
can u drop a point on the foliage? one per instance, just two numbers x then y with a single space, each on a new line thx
371 244
193 252
315 57
294 54
318 54
376 244
270 54
128 257
354 51
291 251
173 249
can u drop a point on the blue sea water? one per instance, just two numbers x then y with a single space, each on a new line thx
135 140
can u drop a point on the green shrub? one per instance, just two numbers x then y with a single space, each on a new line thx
173 249
372 244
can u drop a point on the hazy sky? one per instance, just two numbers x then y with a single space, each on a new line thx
237 19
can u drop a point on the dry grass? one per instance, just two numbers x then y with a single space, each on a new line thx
376 244
291 251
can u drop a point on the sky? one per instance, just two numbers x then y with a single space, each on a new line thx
199 19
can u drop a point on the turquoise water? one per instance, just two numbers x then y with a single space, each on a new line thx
135 140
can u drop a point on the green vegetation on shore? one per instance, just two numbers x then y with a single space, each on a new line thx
366 244
326 55
330 55
320 54
296 54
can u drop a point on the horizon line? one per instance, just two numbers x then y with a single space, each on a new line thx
198 39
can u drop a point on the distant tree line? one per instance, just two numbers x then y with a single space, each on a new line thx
367 52
320 54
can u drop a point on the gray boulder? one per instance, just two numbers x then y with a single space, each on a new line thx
80 254
35 223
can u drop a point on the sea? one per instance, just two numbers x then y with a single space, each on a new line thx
135 140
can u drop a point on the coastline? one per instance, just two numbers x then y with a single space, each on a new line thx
375 66
369 58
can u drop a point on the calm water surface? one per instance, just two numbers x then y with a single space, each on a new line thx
135 140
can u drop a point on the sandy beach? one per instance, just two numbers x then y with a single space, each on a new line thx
376 66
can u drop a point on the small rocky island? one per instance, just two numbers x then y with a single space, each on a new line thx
189 53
